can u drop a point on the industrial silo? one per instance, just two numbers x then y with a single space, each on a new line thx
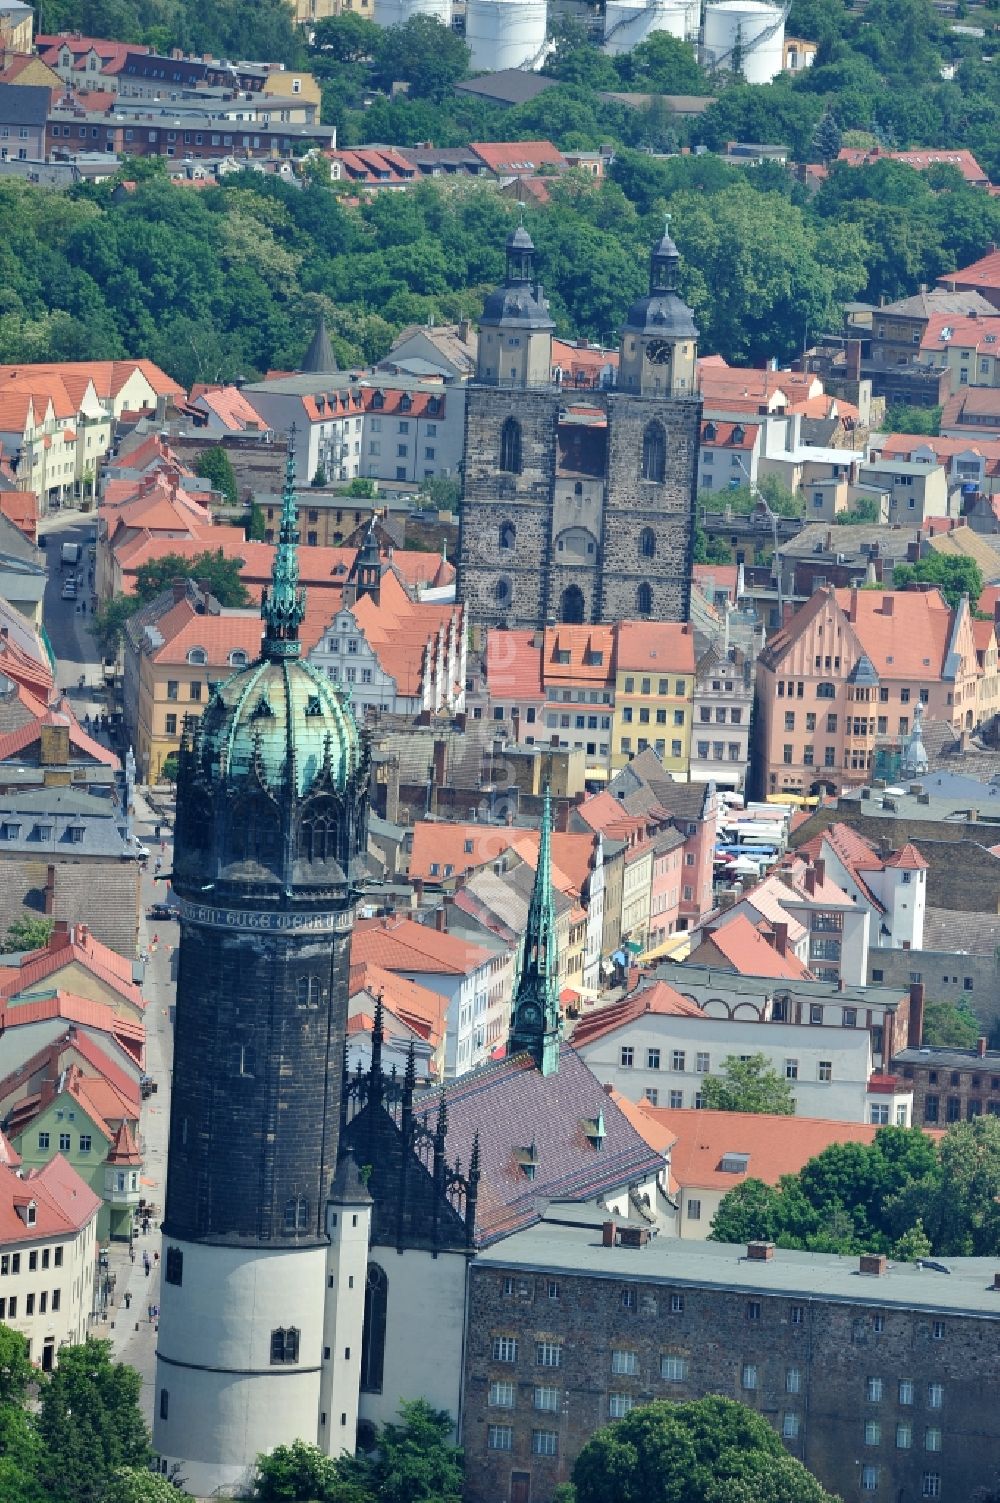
629 22
398 12
747 35
505 34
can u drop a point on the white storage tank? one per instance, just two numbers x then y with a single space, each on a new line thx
398 12
752 30
505 34
629 22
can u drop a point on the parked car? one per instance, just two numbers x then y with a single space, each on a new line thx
69 590
161 911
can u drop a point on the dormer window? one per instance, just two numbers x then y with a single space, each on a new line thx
237 659
595 1131
711 432
197 657
378 401
739 433
528 1161
262 710
734 1163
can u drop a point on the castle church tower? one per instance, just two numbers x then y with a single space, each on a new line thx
536 1022
515 331
271 825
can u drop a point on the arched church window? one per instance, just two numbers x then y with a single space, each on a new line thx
244 1059
296 1217
373 1331
510 446
508 535
502 592
318 835
571 606
308 991
654 452
647 543
284 1345
644 599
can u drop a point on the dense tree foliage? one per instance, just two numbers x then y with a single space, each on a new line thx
212 568
954 577
951 1025
904 1194
226 28
748 1085
84 1440
26 933
705 1451
215 465
413 1462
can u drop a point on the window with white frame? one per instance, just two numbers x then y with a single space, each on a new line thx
873 1432
546 1398
544 1443
620 1404
501 1395
906 1390
548 1354
673 1369
930 1486
932 1439
869 1479
505 1349
500 1437
748 1378
624 1362
904 1435
935 1395
790 1426
793 1380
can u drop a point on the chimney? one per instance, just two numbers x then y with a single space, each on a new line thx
50 890
60 937
179 589
852 606
819 867
810 882
853 361
441 919
981 1047
915 1032
81 934
464 329
875 1263
440 762
609 1232
780 938
760 1252
888 605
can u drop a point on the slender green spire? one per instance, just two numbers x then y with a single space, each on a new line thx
536 1022
284 604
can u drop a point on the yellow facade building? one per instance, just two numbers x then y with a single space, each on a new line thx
654 693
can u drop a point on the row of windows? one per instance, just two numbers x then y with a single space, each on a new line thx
826 689
705 715
8 1304
930 1482
572 604
38 1257
65 1142
543 1442
678 1059
653 462
642 744
629 715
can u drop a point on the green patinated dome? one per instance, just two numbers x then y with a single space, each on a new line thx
273 711
280 711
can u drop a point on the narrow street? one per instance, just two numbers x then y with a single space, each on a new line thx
130 1329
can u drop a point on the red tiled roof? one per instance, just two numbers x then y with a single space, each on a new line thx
962 160
404 945
717 435
775 1145
124 1149
514 664
662 646
655 996
20 1011
982 273
745 949
512 157
75 945
908 857
416 1006
64 1203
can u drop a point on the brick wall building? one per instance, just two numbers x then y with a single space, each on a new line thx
880 1383
951 1085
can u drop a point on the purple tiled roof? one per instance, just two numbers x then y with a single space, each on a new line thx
513 1106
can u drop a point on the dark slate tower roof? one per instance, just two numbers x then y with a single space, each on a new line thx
662 310
519 302
280 715
319 358
536 1022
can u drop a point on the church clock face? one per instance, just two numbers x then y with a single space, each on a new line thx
529 1014
658 352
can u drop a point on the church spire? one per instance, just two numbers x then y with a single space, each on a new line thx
284 604
536 1023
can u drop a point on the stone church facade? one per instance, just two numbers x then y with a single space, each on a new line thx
580 505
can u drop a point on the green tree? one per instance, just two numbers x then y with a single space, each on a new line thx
27 933
707 1451
132 1485
90 1423
442 491
750 1212
108 624
414 1462
865 510
220 574
346 39
710 550
950 1025
302 1473
954 577
748 1085
256 526
169 768
430 57
663 64
826 137
216 466
361 487
922 420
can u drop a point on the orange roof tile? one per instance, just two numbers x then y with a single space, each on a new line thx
404 945
908 858
746 950
518 156
514 664
775 1145
64 1203
663 646
653 997
419 1008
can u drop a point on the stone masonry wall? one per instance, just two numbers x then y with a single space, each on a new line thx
831 1349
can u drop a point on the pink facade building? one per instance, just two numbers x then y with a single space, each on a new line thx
842 679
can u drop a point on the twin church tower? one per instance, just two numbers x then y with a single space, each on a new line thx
579 503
